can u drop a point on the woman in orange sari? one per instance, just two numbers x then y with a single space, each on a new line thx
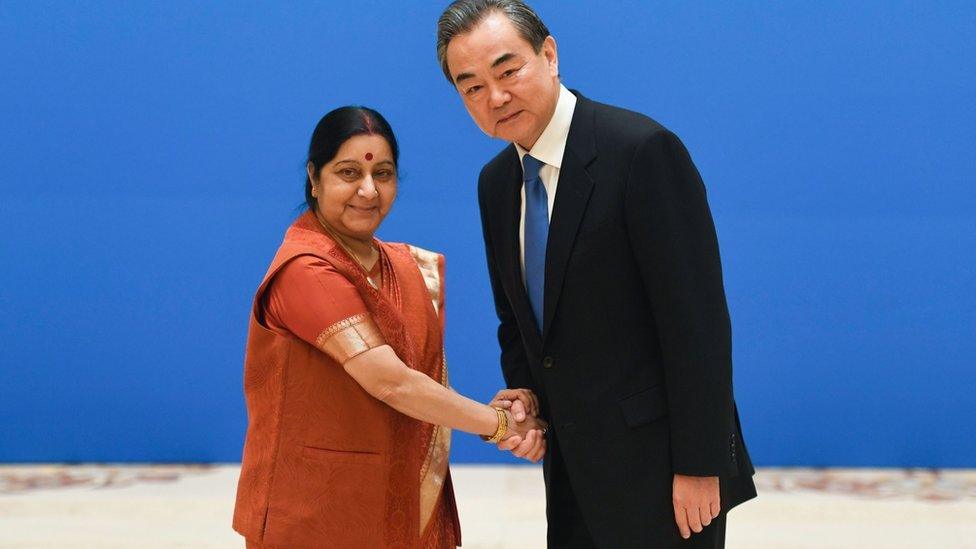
349 411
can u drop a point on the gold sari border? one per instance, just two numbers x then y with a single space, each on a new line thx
350 337
434 470
427 261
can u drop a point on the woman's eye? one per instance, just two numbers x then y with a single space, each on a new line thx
384 174
348 172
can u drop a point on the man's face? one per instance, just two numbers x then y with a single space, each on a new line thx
509 90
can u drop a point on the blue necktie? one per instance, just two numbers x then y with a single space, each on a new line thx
536 235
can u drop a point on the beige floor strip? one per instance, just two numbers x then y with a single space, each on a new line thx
158 506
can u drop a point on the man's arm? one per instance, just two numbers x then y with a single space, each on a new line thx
514 362
675 246
673 238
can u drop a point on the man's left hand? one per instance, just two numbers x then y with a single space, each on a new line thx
532 447
696 503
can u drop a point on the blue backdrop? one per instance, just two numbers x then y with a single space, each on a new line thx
151 157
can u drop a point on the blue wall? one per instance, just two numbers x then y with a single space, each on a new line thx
151 156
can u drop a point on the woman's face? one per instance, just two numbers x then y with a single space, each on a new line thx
355 189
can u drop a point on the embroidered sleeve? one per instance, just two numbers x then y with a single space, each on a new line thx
350 337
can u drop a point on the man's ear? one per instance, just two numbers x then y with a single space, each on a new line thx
552 56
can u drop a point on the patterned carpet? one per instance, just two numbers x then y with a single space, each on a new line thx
919 484
26 479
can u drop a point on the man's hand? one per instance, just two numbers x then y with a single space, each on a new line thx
526 439
521 402
696 503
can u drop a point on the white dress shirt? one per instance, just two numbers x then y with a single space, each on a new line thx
549 149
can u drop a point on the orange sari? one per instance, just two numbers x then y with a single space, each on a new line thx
325 464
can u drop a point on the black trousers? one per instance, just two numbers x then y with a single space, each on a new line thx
567 529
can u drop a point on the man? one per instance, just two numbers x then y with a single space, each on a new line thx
607 283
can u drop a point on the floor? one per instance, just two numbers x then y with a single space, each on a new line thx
165 506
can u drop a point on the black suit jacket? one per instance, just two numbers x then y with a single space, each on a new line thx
633 364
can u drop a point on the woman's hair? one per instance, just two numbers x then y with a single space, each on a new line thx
336 128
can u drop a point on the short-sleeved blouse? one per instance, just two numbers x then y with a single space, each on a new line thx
312 300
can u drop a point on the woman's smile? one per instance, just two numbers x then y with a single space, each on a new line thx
363 210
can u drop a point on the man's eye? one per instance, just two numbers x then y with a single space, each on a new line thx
508 73
471 90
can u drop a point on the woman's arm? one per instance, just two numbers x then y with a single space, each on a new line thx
310 299
384 376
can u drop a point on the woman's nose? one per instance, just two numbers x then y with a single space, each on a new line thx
368 189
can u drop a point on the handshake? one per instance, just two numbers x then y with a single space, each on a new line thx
526 435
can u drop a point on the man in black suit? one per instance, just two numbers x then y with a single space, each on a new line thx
608 287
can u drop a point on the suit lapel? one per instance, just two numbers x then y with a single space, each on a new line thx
572 196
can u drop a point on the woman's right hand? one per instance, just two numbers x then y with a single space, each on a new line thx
521 402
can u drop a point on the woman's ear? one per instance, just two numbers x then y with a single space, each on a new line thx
310 170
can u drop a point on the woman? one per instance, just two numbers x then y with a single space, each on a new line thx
345 378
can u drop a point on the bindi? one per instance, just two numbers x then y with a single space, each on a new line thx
369 156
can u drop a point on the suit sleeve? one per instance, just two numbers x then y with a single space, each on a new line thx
674 242
514 362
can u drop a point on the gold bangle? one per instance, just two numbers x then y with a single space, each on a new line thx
502 427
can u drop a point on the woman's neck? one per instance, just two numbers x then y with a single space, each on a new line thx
362 248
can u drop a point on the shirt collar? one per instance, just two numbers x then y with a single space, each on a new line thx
551 145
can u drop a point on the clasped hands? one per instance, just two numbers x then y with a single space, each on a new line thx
526 437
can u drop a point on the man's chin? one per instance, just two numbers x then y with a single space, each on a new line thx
509 136
522 134
511 132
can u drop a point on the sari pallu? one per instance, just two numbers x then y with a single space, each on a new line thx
326 464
